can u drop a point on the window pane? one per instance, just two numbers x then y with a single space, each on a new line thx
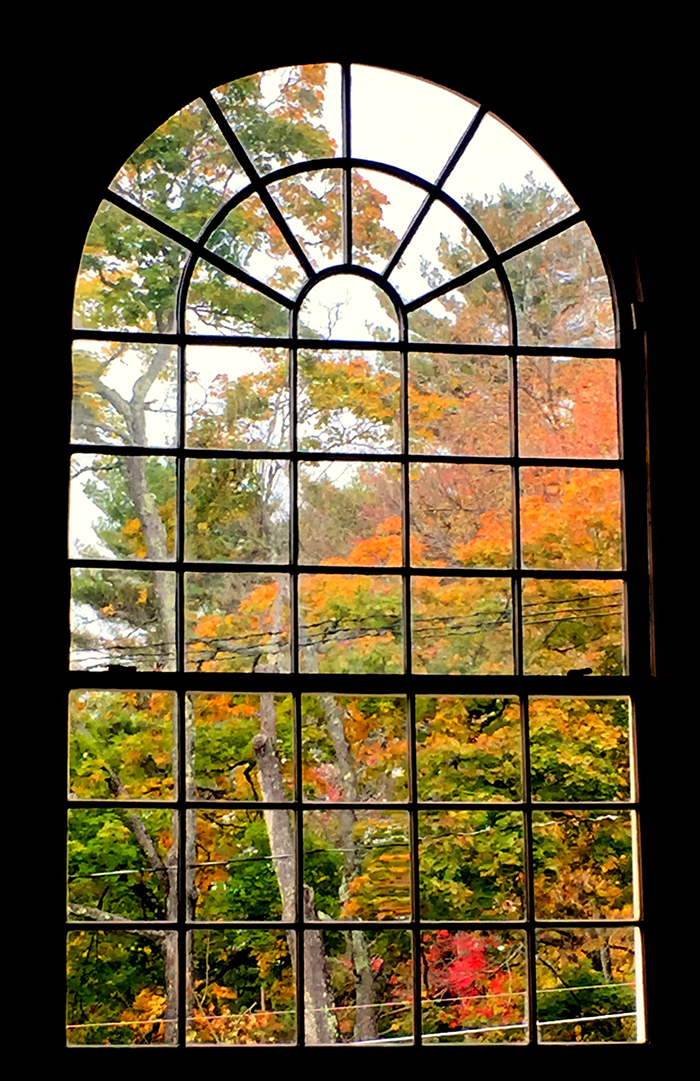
249 238
468 749
371 980
509 189
580 748
405 121
244 865
472 314
358 864
312 206
218 303
350 623
129 276
237 397
122 987
583 864
382 210
122 508
354 748
121 744
111 381
237 622
572 625
348 307
474 986
444 247
286 114
348 401
226 734
124 618
460 515
183 172
471 865
243 984
237 510
461 626
350 512
561 292
567 407
458 404
586 981
112 869
571 518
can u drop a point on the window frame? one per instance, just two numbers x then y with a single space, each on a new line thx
615 253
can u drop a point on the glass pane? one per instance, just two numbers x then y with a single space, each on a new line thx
237 510
382 210
312 206
250 239
468 749
237 397
122 508
124 393
129 276
474 986
460 515
570 626
121 744
508 188
567 407
244 865
348 307
123 618
243 987
580 748
586 983
370 980
237 622
458 404
571 518
122 864
561 292
350 512
220 304
286 114
473 314
121 987
358 864
442 248
405 121
583 865
462 626
349 401
354 748
183 172
471 865
350 623
230 734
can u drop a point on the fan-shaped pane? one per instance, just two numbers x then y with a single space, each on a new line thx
475 313
250 239
382 209
218 303
313 208
443 248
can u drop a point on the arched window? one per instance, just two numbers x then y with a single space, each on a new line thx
351 709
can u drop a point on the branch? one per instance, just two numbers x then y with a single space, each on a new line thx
99 914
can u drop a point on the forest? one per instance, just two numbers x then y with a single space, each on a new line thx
251 505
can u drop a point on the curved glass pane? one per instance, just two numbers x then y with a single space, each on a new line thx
348 307
129 275
475 313
443 248
561 292
218 303
405 121
312 204
286 114
509 189
183 172
250 239
382 210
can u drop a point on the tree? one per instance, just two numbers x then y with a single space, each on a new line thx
241 863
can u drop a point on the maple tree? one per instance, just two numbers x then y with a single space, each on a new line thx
357 863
